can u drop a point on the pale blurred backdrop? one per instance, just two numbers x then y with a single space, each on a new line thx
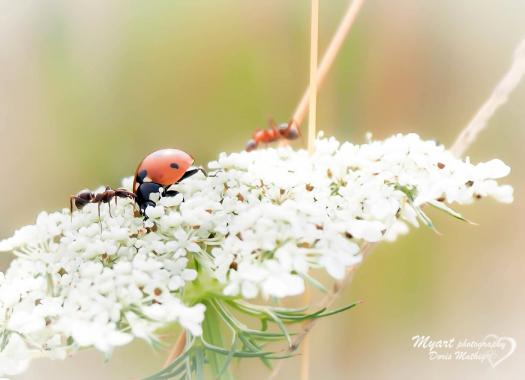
87 88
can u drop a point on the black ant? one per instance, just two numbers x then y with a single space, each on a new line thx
85 197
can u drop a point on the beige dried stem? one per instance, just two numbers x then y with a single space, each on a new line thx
312 116
312 88
328 58
464 140
176 349
497 98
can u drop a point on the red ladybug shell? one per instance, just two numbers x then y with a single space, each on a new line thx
164 166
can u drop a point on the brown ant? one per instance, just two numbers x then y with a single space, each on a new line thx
288 131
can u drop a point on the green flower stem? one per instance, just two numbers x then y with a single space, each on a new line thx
213 335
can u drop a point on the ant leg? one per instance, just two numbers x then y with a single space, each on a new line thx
99 219
71 197
136 207
271 122
77 202
109 207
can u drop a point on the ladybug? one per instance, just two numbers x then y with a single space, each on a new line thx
158 171
155 173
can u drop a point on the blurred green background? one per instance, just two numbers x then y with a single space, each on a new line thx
87 88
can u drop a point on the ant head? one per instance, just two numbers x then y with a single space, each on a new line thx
251 145
85 195
289 130
293 133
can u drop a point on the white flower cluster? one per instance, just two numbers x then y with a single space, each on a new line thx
77 283
257 223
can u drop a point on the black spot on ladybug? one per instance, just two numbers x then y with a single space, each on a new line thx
141 176
174 165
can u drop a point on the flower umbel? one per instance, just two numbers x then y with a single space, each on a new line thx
254 227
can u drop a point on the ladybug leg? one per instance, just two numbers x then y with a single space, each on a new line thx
144 206
169 193
191 172
187 174
143 193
